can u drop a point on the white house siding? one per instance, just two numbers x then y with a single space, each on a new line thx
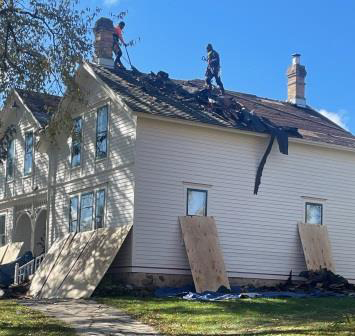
115 173
22 192
258 234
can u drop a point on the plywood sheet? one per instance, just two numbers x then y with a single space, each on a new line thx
47 264
71 252
13 251
316 247
2 252
204 253
94 262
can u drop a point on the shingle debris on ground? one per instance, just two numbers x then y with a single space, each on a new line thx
88 317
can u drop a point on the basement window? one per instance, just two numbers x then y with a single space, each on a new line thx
196 202
314 213
101 132
2 231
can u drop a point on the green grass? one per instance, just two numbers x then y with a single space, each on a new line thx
20 321
316 316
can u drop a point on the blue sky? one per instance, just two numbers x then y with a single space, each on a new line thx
255 40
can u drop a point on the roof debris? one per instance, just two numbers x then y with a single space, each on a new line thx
226 107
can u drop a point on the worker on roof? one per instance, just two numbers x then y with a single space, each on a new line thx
213 68
117 42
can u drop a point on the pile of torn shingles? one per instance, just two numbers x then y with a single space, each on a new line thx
225 107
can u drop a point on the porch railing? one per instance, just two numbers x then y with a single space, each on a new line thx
22 273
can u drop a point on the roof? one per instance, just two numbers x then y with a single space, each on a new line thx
146 95
41 105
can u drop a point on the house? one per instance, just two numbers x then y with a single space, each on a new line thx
145 155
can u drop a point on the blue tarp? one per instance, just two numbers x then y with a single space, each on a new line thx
188 293
7 271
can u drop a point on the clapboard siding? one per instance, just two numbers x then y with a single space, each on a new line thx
114 173
258 234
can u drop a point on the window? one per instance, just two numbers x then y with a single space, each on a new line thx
101 132
10 160
86 211
76 142
99 209
196 202
74 214
81 212
314 213
2 231
28 160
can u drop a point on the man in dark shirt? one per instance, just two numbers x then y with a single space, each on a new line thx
213 68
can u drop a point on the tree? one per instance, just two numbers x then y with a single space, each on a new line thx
42 42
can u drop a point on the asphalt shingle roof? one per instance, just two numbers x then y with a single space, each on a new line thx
41 105
310 123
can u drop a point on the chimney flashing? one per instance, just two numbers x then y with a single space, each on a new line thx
105 62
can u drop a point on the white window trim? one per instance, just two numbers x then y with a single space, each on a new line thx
24 152
317 203
70 143
316 200
86 191
109 108
13 176
199 186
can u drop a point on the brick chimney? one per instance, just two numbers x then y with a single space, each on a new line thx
296 74
103 31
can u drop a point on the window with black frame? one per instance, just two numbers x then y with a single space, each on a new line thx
314 213
101 132
76 142
28 159
10 160
2 230
196 202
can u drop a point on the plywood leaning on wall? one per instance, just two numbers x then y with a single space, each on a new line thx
316 247
75 264
204 253
10 252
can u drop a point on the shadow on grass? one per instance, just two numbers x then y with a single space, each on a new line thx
19 320
312 316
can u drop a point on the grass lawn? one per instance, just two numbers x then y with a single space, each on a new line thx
316 316
19 320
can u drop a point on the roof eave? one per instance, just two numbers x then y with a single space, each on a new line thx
238 131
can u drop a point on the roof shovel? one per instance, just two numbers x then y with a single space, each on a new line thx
129 60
